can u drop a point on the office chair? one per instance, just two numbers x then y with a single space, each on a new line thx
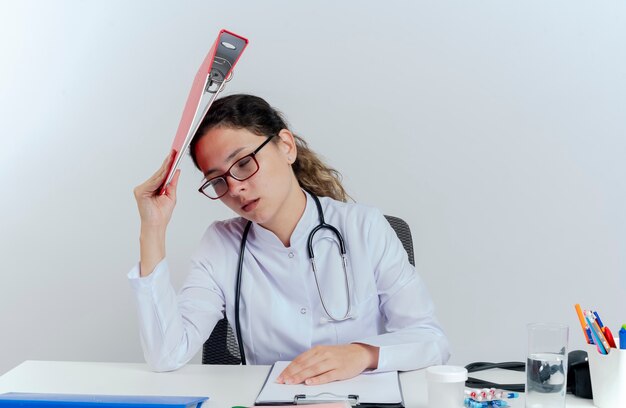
404 233
221 346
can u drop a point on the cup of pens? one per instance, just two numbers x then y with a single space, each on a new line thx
607 360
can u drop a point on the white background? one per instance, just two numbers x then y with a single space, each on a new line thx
494 128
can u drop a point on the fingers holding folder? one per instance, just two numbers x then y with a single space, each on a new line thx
155 211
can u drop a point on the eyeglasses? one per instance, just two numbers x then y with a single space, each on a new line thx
240 170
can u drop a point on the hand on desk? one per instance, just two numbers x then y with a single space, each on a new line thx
323 364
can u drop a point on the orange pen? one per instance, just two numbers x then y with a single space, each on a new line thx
583 323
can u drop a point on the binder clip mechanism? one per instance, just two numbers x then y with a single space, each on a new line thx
229 48
217 77
327 397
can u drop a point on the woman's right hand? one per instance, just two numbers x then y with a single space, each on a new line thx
155 211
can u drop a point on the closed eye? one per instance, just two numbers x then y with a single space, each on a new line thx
243 162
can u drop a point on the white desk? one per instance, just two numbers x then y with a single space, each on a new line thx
225 386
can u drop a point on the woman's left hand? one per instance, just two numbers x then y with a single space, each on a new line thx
323 364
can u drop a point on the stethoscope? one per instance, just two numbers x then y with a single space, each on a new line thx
342 249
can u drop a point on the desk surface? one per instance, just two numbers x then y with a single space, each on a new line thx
225 386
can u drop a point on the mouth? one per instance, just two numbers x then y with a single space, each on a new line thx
250 205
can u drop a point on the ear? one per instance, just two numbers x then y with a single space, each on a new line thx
287 146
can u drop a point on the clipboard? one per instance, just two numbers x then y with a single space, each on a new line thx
215 71
367 390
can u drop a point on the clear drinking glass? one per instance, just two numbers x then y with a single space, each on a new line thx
546 365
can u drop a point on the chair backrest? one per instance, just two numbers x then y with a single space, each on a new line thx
221 347
404 233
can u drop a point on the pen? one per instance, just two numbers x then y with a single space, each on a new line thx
622 337
596 336
589 337
605 330
583 324
598 320
595 328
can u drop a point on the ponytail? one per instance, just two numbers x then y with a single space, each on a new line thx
315 176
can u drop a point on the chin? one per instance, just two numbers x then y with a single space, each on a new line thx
259 216
256 218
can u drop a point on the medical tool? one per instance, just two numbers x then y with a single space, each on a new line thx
342 249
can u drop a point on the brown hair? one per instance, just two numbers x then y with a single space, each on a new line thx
256 115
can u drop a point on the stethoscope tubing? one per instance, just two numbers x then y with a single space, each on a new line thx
242 250
342 248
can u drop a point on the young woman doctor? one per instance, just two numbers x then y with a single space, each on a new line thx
333 318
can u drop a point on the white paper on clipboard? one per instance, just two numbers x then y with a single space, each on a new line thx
215 71
370 389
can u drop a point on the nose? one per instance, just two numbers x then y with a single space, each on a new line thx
235 187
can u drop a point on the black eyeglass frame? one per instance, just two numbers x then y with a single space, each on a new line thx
228 173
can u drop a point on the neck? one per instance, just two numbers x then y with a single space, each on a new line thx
290 213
